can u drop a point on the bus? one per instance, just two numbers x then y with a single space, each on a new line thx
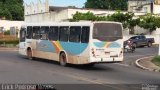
84 43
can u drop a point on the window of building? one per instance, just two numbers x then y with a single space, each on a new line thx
36 32
64 32
44 32
85 34
29 32
145 9
53 33
75 33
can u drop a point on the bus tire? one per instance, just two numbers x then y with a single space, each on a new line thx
29 54
63 59
149 44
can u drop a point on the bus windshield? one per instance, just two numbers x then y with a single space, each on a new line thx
107 31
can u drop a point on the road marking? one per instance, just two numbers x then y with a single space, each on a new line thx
140 55
122 64
99 82
8 50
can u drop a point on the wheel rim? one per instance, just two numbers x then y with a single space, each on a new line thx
29 54
134 45
149 44
63 60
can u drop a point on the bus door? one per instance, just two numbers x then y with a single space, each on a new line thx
22 40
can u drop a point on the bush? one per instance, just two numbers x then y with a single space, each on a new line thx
7 32
156 60
13 42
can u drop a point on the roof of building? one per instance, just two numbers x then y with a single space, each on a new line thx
57 8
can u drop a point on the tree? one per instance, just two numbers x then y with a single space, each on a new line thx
87 16
121 17
107 4
17 12
4 13
131 24
84 16
126 19
12 9
149 22
7 14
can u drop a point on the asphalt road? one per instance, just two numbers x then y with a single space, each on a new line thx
17 69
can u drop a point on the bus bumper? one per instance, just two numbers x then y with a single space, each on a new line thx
106 60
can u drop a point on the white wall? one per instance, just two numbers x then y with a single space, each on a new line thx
7 24
36 8
155 35
156 9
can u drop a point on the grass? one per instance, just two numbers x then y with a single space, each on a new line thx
156 60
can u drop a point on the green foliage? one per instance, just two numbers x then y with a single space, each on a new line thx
117 17
12 9
84 16
125 19
107 4
149 22
15 42
132 23
7 32
157 22
156 60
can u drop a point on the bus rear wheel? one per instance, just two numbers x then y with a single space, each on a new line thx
63 59
29 54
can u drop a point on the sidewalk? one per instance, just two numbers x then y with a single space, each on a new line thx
146 64
8 49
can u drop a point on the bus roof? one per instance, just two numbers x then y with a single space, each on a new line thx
81 23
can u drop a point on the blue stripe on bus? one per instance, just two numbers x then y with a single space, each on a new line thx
74 48
69 47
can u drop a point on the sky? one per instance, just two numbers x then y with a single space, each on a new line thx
77 3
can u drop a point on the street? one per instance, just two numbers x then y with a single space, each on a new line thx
17 69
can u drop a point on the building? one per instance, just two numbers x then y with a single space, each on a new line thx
42 12
7 25
13 26
144 6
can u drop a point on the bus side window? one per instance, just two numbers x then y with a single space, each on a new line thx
53 33
36 32
75 33
64 33
44 33
22 35
85 34
29 32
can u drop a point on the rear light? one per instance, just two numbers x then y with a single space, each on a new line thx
93 53
121 53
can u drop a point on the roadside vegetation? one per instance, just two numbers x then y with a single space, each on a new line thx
149 21
107 4
156 60
11 10
8 40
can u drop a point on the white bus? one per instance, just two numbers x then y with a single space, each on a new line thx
73 42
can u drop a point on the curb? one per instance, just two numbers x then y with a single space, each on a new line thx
145 68
8 49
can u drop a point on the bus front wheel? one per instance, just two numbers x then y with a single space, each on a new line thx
63 59
29 54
